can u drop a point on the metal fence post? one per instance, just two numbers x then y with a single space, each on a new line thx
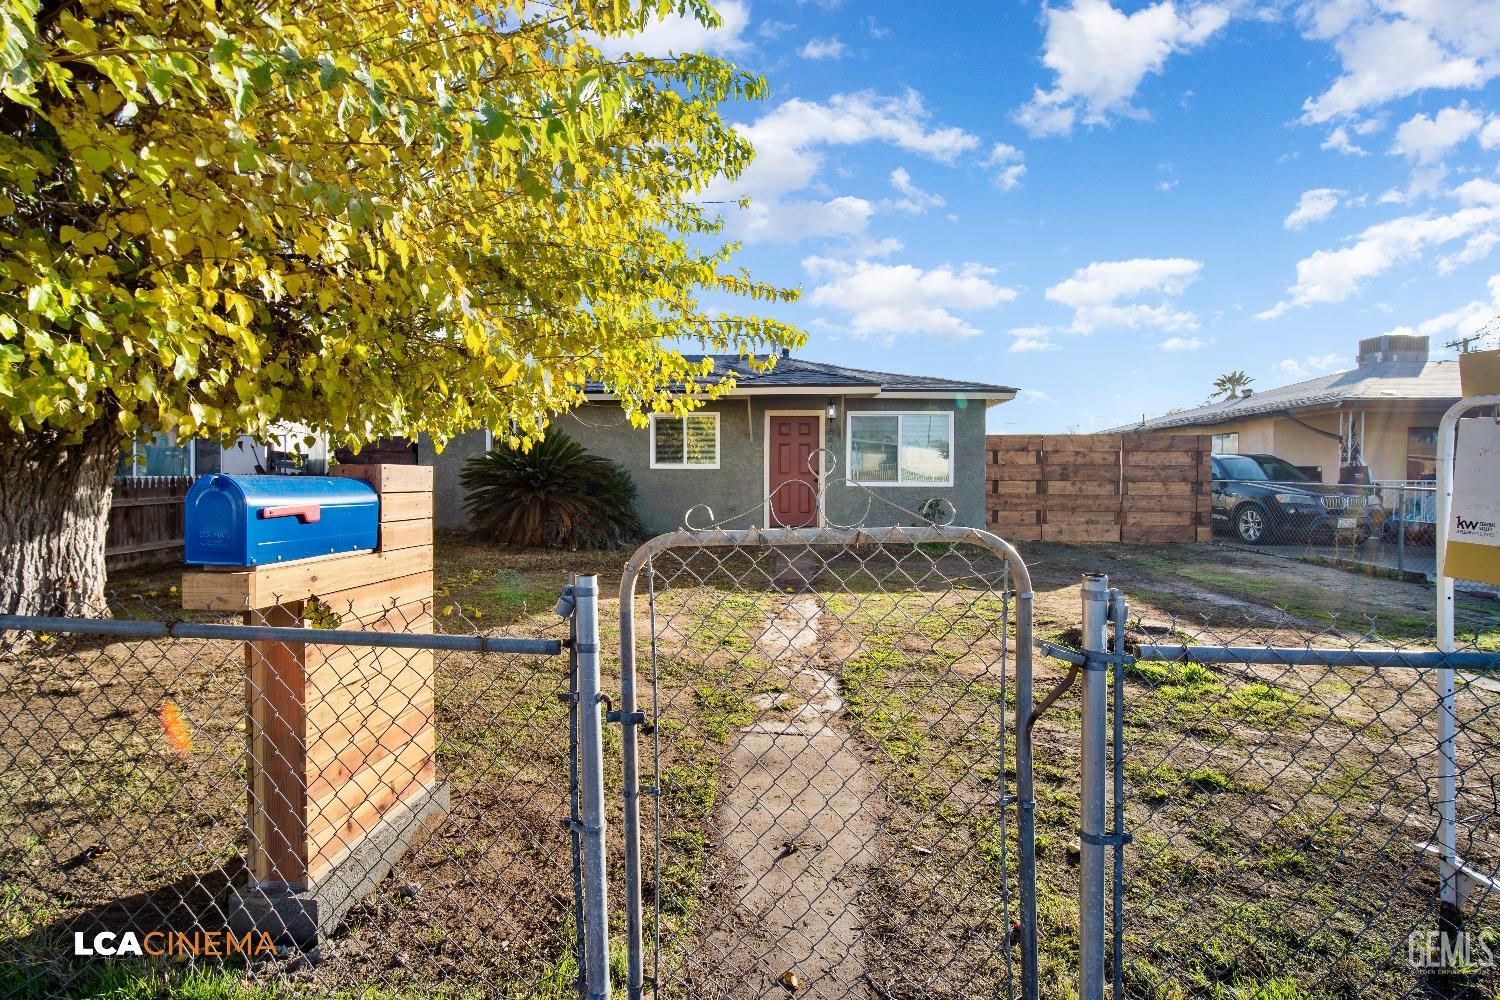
1026 796
1117 613
1092 834
1401 532
591 773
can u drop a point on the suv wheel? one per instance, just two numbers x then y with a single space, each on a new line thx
1250 524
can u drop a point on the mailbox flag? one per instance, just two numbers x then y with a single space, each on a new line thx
1474 516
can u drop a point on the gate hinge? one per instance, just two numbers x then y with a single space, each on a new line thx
626 718
577 826
1106 839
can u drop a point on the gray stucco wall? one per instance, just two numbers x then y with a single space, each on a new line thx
737 488
447 496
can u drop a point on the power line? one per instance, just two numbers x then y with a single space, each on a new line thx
1489 329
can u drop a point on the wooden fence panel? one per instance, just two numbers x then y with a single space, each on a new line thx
1143 488
145 522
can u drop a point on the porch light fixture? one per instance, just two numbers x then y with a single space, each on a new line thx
833 408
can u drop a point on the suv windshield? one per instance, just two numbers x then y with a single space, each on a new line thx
1265 469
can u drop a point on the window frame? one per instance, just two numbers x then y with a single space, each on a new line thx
897 483
1215 449
133 467
685 465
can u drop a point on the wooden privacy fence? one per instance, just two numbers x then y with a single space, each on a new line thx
145 521
1099 487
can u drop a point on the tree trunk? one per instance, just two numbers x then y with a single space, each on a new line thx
54 506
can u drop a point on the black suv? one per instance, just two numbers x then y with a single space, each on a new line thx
1261 498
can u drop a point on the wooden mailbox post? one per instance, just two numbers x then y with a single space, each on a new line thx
341 741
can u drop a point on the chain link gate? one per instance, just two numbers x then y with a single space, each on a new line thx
833 802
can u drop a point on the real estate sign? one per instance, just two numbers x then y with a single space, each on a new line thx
1474 516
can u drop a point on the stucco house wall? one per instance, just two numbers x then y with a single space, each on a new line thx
737 488
1385 437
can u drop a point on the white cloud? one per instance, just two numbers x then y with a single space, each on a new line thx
1489 137
1389 49
789 140
823 48
1007 162
913 200
1328 276
1338 141
1032 338
1314 206
1182 344
1033 396
1465 321
795 219
892 299
1428 139
790 143
774 29
1313 364
1100 55
1102 294
679 33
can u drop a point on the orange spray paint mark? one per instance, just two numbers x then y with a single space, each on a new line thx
175 727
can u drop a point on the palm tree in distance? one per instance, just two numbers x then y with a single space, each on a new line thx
1230 386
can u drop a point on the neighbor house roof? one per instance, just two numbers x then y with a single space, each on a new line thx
1381 381
792 375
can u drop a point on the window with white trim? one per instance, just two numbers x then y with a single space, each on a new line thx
690 441
901 449
1225 444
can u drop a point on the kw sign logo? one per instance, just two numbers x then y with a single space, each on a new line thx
1473 526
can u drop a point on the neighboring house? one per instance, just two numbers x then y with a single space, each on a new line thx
1377 422
908 438
284 450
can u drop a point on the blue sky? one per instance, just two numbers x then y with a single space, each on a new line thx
1109 204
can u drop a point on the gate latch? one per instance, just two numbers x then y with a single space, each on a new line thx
624 718
1106 839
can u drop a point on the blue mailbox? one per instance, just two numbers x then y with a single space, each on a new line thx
255 520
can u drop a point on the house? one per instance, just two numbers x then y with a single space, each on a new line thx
282 450
909 439
1375 423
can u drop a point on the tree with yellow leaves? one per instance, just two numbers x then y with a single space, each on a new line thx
374 218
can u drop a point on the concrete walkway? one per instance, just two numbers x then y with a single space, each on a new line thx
798 817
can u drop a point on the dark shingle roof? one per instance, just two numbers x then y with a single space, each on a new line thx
1383 380
792 372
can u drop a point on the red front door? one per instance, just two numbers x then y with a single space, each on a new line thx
794 481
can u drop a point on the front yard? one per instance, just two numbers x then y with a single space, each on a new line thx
1257 795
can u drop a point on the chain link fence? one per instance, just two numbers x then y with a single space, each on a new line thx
830 763
1283 798
128 802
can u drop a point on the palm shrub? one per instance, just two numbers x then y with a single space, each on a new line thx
557 494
